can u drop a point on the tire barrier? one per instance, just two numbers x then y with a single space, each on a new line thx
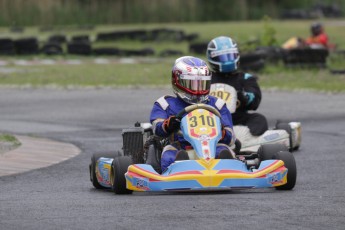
82 45
52 48
57 38
142 52
79 48
121 35
198 48
271 54
161 34
306 57
7 47
252 61
337 71
26 46
168 52
123 52
81 38
164 34
191 37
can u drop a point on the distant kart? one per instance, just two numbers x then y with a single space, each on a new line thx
286 133
138 169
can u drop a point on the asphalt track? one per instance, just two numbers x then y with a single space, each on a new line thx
61 196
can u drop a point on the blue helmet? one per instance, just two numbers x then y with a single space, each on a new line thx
222 54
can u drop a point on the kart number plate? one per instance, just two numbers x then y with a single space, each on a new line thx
201 124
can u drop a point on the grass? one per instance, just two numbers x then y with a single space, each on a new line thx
7 138
302 79
157 73
89 74
8 143
10 139
156 70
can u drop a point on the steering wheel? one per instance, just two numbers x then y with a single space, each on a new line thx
197 106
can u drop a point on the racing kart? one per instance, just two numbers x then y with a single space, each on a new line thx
286 133
138 168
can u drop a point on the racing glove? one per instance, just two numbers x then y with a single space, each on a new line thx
223 133
238 146
171 124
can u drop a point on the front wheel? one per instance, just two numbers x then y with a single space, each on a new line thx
290 164
92 167
117 176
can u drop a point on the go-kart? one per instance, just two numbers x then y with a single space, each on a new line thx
138 169
286 133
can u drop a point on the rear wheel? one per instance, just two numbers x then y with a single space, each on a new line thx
117 176
285 126
290 164
267 151
92 167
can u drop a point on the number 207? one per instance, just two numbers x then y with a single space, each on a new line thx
220 94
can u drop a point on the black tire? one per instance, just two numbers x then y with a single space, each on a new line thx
52 49
81 38
198 48
153 159
92 167
253 66
79 48
59 39
251 57
285 126
26 46
7 46
266 152
290 164
117 176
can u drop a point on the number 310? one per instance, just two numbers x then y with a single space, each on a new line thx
208 119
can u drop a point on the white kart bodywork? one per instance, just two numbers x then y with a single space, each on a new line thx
291 140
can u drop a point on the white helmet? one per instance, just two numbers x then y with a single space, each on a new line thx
191 79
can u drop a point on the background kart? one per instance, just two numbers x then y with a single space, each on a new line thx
286 133
138 169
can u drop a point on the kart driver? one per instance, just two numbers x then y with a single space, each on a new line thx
191 82
318 38
223 58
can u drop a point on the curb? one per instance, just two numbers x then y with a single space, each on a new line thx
35 153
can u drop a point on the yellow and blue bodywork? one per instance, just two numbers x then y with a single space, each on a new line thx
103 170
217 174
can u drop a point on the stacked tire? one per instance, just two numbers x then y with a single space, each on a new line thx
7 46
26 46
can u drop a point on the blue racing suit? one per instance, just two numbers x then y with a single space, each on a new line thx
167 106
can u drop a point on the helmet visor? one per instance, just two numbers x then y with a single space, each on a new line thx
225 55
195 84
